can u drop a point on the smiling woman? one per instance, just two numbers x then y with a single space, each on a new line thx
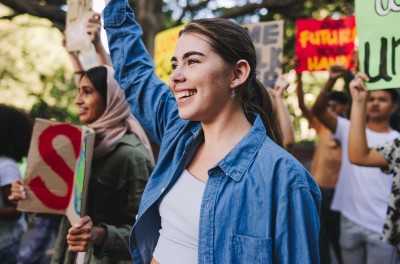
91 100
223 190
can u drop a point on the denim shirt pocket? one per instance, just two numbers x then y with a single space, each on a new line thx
245 249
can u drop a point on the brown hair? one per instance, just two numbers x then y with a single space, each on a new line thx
233 43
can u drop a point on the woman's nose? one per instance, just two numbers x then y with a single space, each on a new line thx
177 75
78 99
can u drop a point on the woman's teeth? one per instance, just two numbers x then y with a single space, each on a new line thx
184 94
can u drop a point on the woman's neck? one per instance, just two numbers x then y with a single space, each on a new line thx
225 132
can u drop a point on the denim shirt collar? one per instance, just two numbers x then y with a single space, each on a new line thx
245 150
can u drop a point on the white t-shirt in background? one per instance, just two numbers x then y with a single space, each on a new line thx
362 193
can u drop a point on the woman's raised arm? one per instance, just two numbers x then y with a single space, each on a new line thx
149 98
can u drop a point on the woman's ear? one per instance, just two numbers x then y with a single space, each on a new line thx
240 73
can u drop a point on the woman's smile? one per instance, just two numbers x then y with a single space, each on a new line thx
184 95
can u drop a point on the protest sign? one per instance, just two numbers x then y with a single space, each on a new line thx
58 169
75 25
164 48
379 42
268 41
322 43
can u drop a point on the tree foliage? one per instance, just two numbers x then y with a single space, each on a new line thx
34 69
34 62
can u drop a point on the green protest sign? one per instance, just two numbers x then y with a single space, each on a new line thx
379 41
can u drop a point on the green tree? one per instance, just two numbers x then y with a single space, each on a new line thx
34 70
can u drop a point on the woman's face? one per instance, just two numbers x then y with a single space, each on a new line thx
90 103
200 80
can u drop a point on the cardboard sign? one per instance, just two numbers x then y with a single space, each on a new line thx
323 43
268 41
77 17
379 42
58 169
164 49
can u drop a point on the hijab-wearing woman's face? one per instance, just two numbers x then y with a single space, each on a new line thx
200 79
91 104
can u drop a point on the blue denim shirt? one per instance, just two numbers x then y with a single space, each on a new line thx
259 205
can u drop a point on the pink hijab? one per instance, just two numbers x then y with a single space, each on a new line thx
116 120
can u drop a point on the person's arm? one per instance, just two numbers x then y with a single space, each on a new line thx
359 152
150 99
320 107
93 28
76 63
307 113
285 122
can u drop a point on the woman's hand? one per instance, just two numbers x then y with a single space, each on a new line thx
93 27
17 192
84 235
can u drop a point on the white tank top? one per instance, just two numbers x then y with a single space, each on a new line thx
180 217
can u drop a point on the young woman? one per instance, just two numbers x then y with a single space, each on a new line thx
15 135
223 190
122 163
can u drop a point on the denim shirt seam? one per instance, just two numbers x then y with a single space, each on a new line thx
297 186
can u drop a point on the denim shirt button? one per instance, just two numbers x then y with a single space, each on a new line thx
162 190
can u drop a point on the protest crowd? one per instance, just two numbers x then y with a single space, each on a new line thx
202 167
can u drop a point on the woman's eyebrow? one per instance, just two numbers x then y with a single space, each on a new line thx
188 54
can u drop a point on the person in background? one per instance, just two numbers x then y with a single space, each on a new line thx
122 162
386 155
362 194
326 162
285 123
15 136
223 190
44 226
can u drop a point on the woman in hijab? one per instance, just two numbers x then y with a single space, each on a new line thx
122 163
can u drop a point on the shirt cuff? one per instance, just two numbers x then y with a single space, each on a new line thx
111 243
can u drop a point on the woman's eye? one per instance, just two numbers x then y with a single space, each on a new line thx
192 61
173 66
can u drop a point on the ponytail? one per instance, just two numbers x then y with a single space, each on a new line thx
255 98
